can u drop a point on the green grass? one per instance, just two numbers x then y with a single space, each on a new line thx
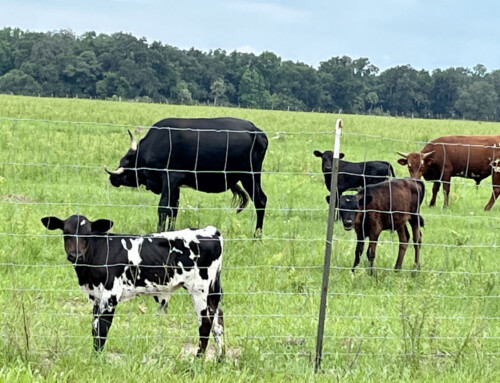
439 324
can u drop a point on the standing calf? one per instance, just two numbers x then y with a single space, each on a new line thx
113 268
385 206
353 175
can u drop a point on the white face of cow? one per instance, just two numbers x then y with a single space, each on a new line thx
77 232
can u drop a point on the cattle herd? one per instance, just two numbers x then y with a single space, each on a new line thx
214 154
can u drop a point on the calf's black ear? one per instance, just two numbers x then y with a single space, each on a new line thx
102 225
317 153
341 155
53 223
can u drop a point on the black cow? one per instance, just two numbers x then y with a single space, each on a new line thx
353 175
113 268
207 154
388 205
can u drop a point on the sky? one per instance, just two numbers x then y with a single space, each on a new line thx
426 34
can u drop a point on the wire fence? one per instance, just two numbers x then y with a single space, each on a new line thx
272 286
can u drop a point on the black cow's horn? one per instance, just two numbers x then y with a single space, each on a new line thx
133 142
405 155
114 172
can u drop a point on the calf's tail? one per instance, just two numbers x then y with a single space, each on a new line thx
240 198
421 221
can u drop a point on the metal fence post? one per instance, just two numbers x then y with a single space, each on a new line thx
328 246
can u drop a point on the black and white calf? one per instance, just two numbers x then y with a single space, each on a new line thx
113 268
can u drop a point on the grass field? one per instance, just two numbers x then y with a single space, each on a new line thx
439 324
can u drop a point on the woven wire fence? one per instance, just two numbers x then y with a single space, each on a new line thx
447 310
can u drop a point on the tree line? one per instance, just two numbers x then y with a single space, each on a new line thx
121 66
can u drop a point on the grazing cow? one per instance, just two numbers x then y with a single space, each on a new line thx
207 154
385 206
353 175
113 268
472 157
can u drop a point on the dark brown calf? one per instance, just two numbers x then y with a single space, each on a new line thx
389 206
474 157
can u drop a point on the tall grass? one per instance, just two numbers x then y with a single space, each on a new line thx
441 323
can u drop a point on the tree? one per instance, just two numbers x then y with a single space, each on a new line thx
18 82
477 101
371 99
252 90
217 89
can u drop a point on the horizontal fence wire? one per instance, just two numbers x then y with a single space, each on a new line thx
271 285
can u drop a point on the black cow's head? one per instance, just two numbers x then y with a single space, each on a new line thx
418 163
349 206
126 173
77 230
326 159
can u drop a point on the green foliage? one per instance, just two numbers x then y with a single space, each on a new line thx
122 67
439 324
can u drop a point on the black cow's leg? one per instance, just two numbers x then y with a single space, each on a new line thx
435 189
169 202
404 236
101 323
252 184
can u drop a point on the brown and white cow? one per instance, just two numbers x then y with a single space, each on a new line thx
475 157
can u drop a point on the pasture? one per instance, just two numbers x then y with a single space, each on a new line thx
441 323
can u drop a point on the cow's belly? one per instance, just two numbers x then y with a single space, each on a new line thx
212 183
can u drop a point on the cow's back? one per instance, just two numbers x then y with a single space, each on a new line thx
392 200
204 144
465 156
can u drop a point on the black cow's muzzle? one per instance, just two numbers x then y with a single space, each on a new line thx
348 225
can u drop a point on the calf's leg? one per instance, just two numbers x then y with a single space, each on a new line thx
214 299
101 323
417 242
404 236
372 246
359 249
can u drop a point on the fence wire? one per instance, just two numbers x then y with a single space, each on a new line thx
271 285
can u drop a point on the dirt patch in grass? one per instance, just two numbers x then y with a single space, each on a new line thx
17 198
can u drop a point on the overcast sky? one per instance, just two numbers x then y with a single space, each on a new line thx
426 34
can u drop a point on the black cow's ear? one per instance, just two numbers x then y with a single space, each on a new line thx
402 161
53 223
341 155
317 153
101 225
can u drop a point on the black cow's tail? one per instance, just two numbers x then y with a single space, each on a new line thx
240 198
421 221
391 170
